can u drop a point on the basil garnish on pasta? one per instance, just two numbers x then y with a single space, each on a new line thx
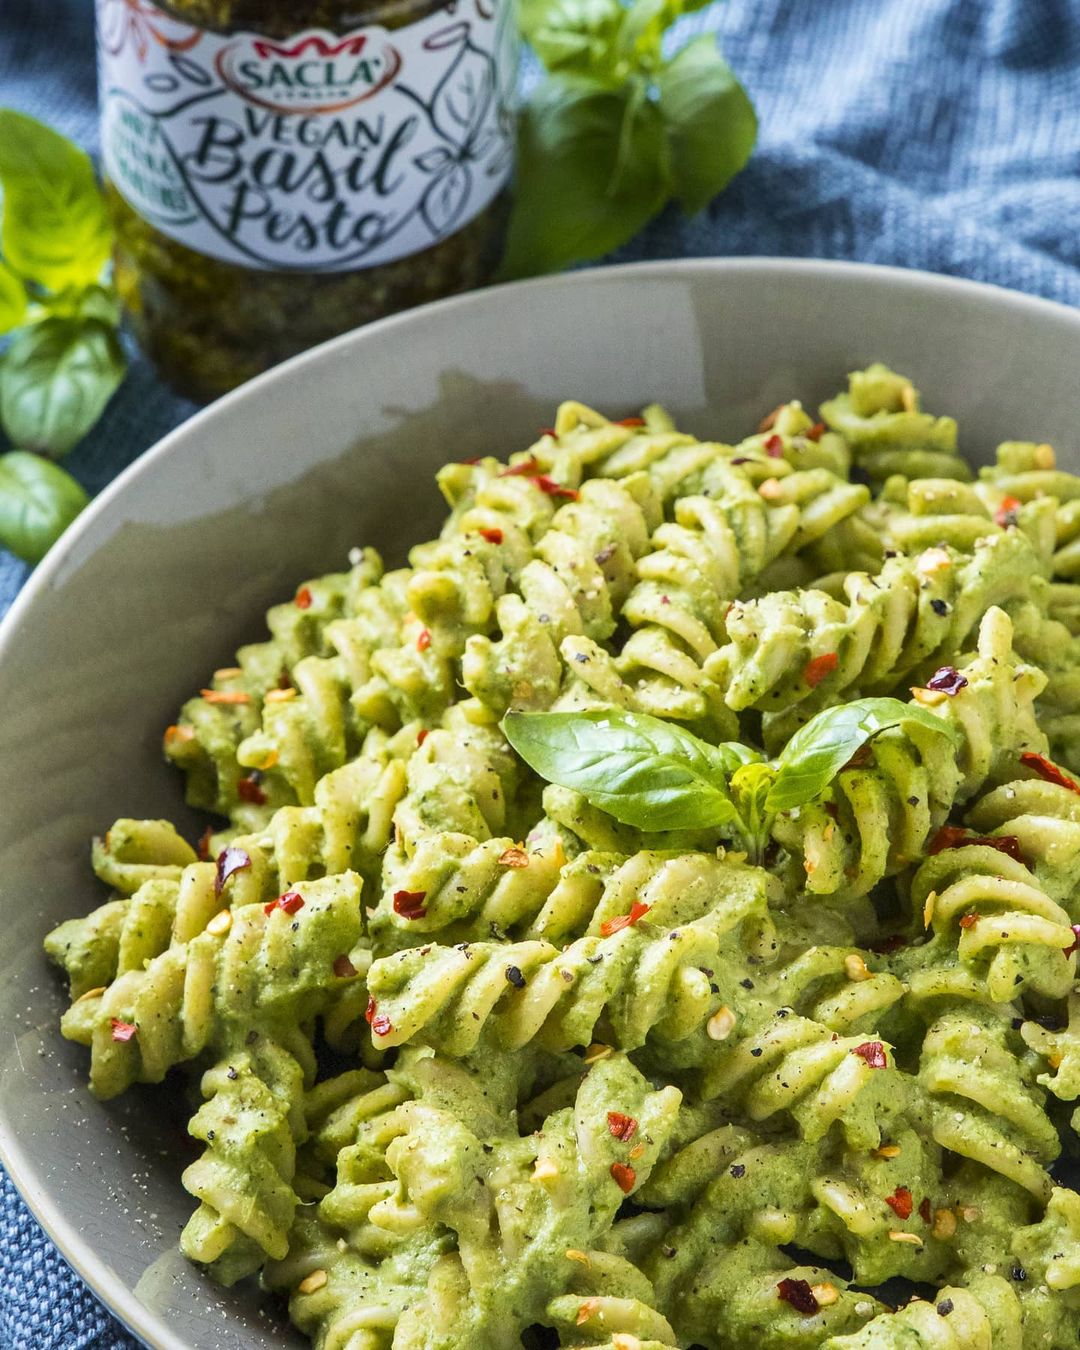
656 776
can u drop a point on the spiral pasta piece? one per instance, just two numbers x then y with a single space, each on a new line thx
990 916
273 967
915 611
640 970
574 585
252 1122
880 418
985 1315
983 1101
203 742
1044 819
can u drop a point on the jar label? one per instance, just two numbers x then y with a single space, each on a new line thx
318 152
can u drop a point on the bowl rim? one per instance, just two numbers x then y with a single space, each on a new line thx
46 1207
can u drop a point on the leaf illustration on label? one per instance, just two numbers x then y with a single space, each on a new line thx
431 161
445 199
462 99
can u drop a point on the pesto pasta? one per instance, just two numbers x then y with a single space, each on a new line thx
646 920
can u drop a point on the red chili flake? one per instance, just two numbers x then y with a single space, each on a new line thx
621 1127
888 944
122 1031
631 422
925 1210
1005 515
423 642
303 598
554 489
799 1294
381 1025
1045 769
549 431
873 1052
624 1175
513 857
369 1011
470 462
774 447
248 790
290 902
900 1202
421 736
1076 940
610 926
861 757
818 668
204 843
492 535
229 860
949 836
952 836
343 967
947 680
816 431
968 920
525 469
410 904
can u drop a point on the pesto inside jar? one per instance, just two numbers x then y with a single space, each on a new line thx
280 172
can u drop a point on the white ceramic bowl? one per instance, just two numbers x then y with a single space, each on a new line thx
173 566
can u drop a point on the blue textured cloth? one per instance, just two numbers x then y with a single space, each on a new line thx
942 134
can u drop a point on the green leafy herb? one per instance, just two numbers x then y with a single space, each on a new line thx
820 749
55 229
55 381
62 358
13 301
657 776
644 772
616 129
38 501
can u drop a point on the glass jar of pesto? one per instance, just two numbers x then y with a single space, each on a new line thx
282 170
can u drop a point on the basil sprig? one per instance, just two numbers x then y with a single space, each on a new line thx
62 359
657 776
617 128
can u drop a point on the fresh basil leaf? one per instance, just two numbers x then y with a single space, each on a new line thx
576 35
644 772
86 302
55 381
592 170
55 228
12 300
820 749
38 501
709 120
643 27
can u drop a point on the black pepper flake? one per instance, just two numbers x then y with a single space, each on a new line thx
945 1307
580 657
738 1170
913 801
669 1252
939 607
252 1037
756 1051
232 1074
1019 1274
747 984
514 975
